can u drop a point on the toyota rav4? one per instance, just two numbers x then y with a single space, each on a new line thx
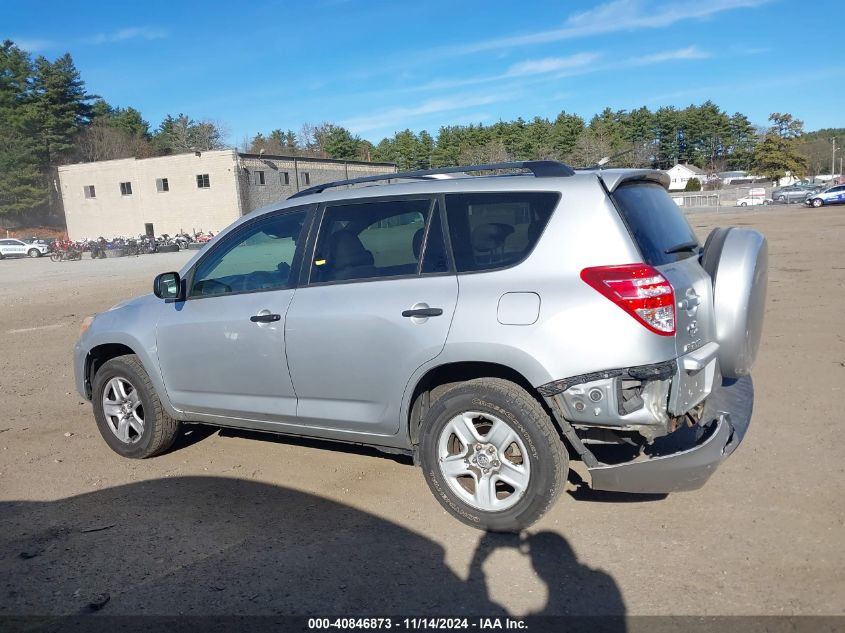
491 326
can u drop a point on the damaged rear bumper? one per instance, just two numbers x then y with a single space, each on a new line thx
686 459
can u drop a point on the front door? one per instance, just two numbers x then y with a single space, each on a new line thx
378 305
222 350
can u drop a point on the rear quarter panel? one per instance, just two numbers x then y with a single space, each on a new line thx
578 330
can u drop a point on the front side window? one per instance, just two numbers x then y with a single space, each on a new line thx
203 181
126 188
495 230
371 240
258 257
89 191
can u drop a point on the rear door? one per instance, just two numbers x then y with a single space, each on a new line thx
668 243
377 304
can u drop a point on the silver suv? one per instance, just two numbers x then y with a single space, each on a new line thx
490 326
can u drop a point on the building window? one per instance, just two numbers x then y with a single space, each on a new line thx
284 177
259 177
162 185
202 181
126 189
306 178
89 191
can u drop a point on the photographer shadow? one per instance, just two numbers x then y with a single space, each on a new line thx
211 546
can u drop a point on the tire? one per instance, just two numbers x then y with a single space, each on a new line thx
33 252
781 199
533 448
156 431
818 202
55 257
743 204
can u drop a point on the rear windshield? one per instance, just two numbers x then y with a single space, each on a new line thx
655 222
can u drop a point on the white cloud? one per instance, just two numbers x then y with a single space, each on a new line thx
578 62
399 116
611 17
691 52
550 64
130 33
32 45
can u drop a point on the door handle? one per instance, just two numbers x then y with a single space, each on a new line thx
265 318
423 312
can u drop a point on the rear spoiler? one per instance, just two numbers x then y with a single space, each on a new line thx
612 178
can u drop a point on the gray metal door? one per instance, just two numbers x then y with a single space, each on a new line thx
351 351
379 305
222 352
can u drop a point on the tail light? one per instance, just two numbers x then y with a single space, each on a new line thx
638 289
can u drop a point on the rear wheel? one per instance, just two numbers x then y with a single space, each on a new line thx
491 455
128 411
55 257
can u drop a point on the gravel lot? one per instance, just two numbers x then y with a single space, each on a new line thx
250 523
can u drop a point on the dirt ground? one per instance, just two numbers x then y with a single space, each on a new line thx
249 523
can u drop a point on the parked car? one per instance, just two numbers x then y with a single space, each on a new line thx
792 193
589 317
831 195
11 247
752 201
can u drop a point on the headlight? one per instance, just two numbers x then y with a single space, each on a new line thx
86 323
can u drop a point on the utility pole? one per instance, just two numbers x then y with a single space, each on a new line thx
833 157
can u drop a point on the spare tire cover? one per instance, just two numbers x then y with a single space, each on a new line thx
737 262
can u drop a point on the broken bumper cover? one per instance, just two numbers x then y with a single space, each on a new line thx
685 460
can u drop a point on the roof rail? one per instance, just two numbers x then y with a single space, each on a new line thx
540 169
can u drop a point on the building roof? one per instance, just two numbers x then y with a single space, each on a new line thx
313 159
690 168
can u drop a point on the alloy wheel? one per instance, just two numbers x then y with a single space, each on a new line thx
123 410
483 461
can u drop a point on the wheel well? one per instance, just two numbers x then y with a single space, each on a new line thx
99 355
439 380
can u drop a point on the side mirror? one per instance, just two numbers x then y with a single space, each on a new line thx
167 286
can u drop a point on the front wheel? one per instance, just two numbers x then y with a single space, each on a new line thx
128 411
491 455
817 202
34 252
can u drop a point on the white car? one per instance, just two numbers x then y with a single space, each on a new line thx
10 247
749 201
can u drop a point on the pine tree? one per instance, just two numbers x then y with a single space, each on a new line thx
62 106
22 183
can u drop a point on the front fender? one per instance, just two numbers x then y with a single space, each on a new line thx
131 325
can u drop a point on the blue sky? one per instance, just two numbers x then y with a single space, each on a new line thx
379 66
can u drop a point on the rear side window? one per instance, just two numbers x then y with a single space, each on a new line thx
371 240
656 223
496 230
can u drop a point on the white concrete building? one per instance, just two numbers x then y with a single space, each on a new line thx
681 174
201 191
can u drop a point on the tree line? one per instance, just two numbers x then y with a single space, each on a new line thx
48 118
